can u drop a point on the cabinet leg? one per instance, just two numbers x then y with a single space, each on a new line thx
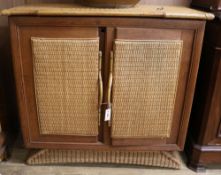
197 167
3 155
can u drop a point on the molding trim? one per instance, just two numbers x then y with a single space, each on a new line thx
207 148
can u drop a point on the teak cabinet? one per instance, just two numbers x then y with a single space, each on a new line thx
70 70
204 138
2 146
213 5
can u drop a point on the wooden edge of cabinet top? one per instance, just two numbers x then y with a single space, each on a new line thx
177 12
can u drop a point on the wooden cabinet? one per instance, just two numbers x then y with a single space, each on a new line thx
3 126
69 70
213 5
204 140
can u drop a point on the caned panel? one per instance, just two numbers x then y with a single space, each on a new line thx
66 85
148 158
144 87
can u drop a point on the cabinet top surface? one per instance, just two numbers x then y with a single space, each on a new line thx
177 12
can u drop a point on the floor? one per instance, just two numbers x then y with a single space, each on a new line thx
16 166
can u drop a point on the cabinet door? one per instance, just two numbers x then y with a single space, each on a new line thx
150 75
58 72
213 135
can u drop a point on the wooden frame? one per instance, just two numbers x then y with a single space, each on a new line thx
107 26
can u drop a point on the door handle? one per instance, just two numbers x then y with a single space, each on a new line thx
100 87
110 81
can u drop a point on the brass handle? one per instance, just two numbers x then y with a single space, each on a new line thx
110 81
100 87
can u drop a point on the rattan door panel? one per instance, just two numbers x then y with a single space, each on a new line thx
144 87
62 80
66 85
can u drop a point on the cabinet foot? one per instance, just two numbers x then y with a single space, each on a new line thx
199 168
3 154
